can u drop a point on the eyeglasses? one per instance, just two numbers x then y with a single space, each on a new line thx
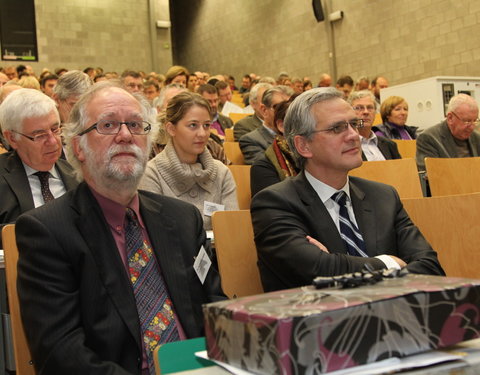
42 137
468 123
342 126
369 108
112 127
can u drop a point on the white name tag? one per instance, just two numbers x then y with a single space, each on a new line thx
202 264
209 208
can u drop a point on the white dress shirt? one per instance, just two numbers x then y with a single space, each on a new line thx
55 184
370 147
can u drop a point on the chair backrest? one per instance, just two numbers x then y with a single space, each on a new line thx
236 253
241 174
450 225
400 173
237 116
378 119
180 356
23 359
453 176
406 147
229 135
234 153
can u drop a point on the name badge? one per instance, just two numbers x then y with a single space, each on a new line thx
209 208
202 264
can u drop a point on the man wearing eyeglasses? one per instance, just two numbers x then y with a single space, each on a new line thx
373 147
455 137
32 173
323 222
107 273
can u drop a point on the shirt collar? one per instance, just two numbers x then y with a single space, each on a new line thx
325 191
29 171
372 139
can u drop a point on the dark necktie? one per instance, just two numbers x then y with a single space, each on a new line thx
154 306
348 231
44 186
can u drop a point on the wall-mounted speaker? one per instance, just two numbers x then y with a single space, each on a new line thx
318 10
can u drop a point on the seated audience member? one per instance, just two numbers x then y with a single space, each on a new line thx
11 73
68 89
254 144
225 105
219 121
132 80
297 85
323 222
151 90
47 83
29 82
176 74
185 169
99 78
84 313
253 121
325 80
455 137
373 147
345 85
246 84
89 71
394 111
192 84
60 71
32 174
377 84
277 163
363 83
307 85
231 82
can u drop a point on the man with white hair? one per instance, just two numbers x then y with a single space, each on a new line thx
118 276
68 89
32 174
455 137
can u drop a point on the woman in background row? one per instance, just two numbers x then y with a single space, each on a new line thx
278 162
394 111
185 169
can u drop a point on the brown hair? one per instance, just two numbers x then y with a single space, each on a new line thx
175 71
179 105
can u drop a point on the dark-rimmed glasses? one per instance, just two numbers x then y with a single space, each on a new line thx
341 126
112 127
468 123
42 137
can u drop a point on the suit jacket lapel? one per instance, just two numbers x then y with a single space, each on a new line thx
66 173
96 233
365 217
17 178
164 239
384 148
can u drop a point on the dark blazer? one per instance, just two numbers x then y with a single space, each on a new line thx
76 300
246 125
254 144
225 122
387 147
437 142
283 214
15 189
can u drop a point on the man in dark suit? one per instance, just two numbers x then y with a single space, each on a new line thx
31 125
255 143
219 121
303 229
373 147
78 274
455 137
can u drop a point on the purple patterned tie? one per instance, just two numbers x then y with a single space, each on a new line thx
153 303
44 186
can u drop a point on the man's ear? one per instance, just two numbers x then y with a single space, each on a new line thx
11 139
77 149
302 146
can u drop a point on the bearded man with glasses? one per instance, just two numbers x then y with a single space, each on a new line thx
323 222
107 273
32 173
455 137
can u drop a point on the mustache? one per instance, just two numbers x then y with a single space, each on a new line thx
118 149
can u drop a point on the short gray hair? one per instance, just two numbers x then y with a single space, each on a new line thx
267 97
253 95
79 117
299 119
355 95
22 104
460 99
159 101
73 83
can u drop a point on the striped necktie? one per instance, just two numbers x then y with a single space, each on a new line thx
44 186
154 306
348 231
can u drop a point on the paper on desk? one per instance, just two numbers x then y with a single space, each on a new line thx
376 368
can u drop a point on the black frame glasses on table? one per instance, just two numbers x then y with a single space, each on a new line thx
112 127
341 126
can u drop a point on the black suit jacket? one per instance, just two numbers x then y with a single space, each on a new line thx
387 147
15 189
76 300
285 213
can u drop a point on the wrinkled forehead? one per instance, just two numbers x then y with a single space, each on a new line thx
113 102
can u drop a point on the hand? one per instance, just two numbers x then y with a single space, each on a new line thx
318 244
400 262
